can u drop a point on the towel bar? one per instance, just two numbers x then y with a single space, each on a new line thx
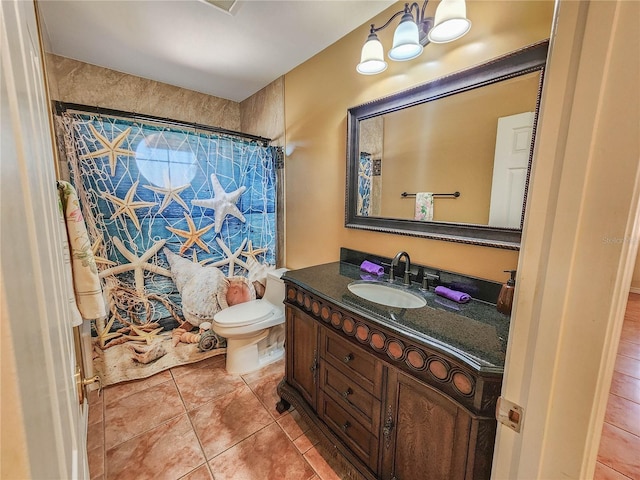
454 194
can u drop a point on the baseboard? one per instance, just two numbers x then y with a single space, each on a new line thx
634 290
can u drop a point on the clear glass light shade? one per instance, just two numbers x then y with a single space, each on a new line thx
372 57
406 40
450 21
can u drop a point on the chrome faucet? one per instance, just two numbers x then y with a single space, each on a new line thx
407 267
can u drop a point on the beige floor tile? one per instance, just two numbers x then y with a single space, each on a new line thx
184 369
227 420
202 385
95 436
96 410
320 465
96 462
267 454
116 392
266 391
168 451
200 473
293 424
275 369
131 415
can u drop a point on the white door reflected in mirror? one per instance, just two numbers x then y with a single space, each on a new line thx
510 166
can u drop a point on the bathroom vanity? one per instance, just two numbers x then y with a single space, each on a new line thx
401 393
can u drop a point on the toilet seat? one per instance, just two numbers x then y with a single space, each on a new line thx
254 311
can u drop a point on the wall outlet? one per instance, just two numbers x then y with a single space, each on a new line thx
509 414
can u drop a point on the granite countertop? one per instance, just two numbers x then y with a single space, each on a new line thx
475 332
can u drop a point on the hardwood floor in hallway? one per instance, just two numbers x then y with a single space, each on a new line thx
619 454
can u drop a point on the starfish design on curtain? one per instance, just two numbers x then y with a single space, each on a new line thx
170 193
252 252
110 148
137 264
98 259
232 257
126 205
192 236
194 259
222 203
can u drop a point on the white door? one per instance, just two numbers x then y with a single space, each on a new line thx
513 144
31 259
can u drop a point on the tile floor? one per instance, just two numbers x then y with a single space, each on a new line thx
198 422
619 455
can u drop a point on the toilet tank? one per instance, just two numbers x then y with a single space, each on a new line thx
274 289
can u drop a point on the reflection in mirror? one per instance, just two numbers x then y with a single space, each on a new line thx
471 132
452 144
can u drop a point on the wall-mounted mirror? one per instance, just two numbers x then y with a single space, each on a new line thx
449 159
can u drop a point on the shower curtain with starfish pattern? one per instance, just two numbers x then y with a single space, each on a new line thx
149 192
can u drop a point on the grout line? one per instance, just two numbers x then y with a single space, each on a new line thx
300 453
104 436
193 427
148 429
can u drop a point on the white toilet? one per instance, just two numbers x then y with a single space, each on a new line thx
254 330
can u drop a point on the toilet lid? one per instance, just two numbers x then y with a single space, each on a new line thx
244 313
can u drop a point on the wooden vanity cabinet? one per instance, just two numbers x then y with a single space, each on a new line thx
302 359
348 377
425 434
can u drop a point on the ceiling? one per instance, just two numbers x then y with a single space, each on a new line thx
198 46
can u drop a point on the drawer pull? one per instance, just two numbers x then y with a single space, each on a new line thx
345 426
347 392
347 358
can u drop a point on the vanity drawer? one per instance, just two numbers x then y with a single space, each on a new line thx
359 440
352 397
354 362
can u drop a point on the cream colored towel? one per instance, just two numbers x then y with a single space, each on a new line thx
86 283
424 206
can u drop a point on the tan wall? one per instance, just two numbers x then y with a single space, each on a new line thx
317 96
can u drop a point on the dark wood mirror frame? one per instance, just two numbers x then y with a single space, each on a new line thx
526 60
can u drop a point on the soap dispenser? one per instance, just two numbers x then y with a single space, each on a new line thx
505 298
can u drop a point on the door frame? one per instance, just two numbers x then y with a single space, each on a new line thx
579 244
51 424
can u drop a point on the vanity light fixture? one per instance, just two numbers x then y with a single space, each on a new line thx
413 34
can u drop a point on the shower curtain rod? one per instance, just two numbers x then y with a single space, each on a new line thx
61 107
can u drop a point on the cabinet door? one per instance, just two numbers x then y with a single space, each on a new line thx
302 354
425 435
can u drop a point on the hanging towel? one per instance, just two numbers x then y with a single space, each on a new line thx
424 206
86 282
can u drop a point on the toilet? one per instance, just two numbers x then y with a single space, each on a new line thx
254 330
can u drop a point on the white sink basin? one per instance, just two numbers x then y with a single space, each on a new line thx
388 295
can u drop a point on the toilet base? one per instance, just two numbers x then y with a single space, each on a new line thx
249 353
